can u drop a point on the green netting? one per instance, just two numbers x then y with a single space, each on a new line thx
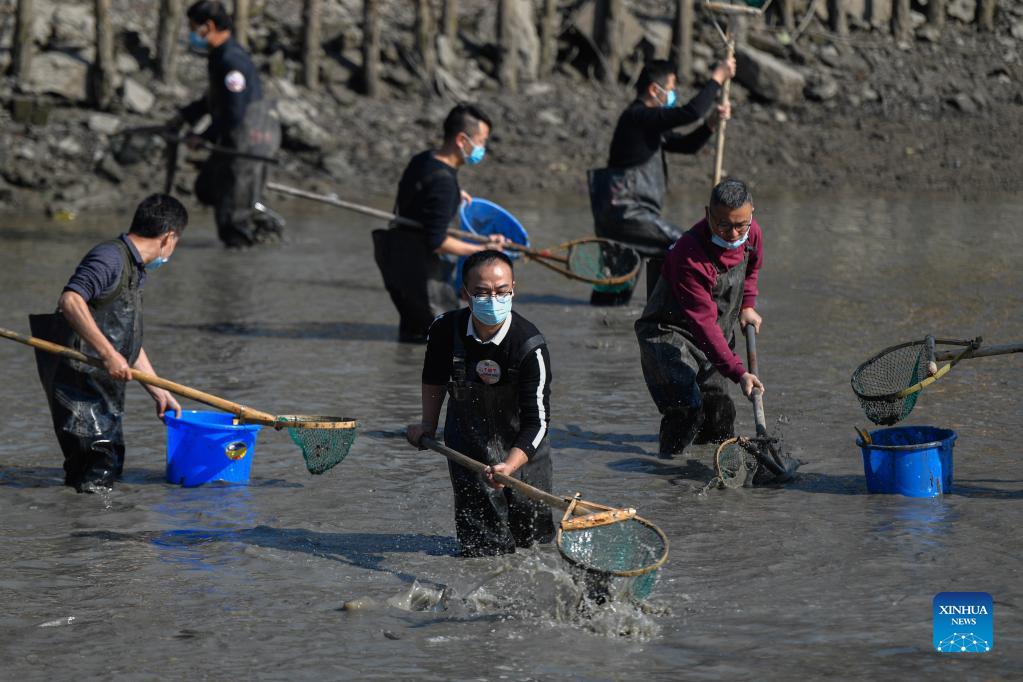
603 260
878 381
322 448
625 549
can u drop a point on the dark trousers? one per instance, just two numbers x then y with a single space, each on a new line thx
489 521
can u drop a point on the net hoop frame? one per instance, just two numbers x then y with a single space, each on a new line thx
303 421
543 256
576 503
970 346
739 441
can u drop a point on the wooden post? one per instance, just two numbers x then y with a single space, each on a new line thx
549 28
682 38
984 15
241 22
450 19
507 65
103 68
838 17
426 37
22 48
371 47
611 37
311 43
902 23
788 14
167 32
936 13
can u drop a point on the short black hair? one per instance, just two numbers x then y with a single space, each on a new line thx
157 214
464 118
654 71
206 10
483 257
731 193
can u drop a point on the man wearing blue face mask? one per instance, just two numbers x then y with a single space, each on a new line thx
241 119
495 367
687 330
415 261
100 314
627 197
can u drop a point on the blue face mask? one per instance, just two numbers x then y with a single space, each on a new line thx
156 263
670 99
477 154
197 42
491 310
729 245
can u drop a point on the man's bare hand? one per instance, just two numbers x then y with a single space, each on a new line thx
117 366
749 316
748 382
415 432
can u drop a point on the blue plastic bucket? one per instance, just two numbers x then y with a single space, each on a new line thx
915 461
486 218
208 446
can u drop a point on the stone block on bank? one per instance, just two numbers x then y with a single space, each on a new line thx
768 77
57 73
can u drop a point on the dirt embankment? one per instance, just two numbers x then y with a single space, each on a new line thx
867 115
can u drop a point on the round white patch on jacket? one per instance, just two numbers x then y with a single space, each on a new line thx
488 371
235 81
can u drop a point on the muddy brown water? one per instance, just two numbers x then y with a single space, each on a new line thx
816 578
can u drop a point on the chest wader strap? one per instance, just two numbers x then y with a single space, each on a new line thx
459 378
530 345
127 270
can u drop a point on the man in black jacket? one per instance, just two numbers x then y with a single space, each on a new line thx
241 119
627 197
495 366
414 257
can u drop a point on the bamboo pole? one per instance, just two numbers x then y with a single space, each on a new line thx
838 17
371 47
450 20
548 37
682 38
788 15
241 21
611 38
311 12
936 14
103 68
984 15
168 29
902 23
426 37
21 58
507 66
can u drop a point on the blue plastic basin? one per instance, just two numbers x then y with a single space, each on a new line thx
486 218
915 461
206 446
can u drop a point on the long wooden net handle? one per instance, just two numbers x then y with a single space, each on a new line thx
984 352
726 89
245 413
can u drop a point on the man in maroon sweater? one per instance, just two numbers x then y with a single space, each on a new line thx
687 330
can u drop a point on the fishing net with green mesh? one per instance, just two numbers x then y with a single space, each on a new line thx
325 441
616 265
632 549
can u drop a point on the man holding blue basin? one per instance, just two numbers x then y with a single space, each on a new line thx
412 259
100 314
